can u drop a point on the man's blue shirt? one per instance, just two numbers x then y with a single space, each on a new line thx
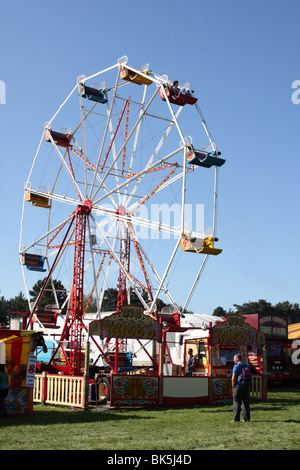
237 369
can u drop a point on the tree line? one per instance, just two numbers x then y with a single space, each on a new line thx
289 310
20 304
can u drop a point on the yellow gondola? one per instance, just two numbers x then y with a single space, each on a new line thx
200 245
131 76
37 199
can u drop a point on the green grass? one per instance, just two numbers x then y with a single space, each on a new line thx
274 425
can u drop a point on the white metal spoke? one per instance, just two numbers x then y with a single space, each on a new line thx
109 110
83 142
157 149
125 143
195 283
117 260
66 167
140 173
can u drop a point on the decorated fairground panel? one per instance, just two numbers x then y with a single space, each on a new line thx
134 390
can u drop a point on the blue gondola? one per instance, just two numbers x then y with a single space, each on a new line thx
33 262
204 159
94 94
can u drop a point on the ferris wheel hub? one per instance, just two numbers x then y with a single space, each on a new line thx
121 210
85 208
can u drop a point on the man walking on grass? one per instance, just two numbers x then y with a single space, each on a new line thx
241 379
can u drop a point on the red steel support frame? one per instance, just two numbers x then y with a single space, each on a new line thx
76 300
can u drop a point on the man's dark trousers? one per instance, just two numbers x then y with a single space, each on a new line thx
241 396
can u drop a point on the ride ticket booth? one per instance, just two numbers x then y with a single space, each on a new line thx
18 353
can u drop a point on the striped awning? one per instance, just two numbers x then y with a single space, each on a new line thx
294 331
17 350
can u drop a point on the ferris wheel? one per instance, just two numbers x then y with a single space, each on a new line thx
110 195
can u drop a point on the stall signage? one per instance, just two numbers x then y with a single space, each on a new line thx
273 325
31 364
131 322
234 331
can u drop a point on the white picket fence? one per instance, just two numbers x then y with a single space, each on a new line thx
60 390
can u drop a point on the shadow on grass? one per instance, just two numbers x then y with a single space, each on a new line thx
60 415
43 415
48 414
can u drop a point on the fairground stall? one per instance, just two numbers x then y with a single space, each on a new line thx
215 352
165 382
18 353
280 366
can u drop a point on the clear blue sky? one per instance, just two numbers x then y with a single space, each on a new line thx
241 56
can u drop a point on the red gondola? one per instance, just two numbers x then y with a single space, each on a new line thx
175 96
47 316
60 139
